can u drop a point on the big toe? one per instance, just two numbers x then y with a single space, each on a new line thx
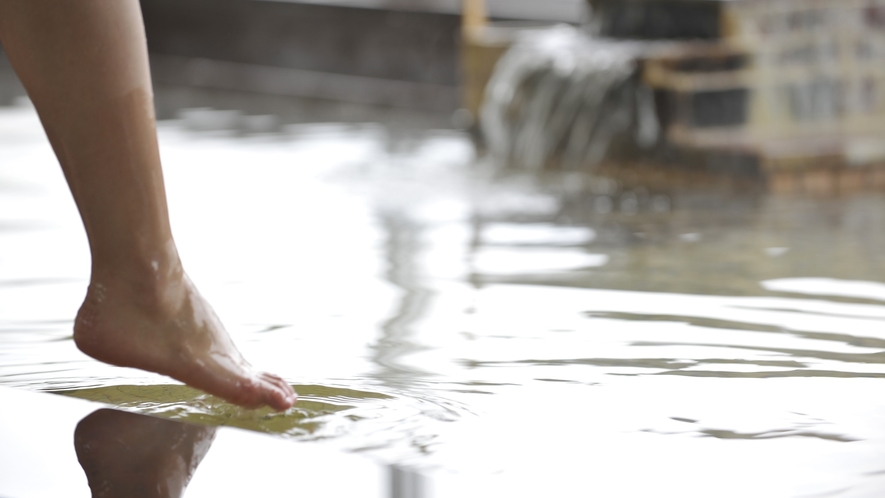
279 394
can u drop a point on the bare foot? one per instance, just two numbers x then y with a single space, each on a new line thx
162 324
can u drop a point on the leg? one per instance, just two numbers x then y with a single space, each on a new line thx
84 64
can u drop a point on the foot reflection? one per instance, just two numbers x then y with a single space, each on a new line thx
130 455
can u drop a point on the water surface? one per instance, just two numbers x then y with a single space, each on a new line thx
432 315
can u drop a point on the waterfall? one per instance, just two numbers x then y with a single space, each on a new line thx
561 99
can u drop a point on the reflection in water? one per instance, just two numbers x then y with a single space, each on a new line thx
404 240
127 455
405 483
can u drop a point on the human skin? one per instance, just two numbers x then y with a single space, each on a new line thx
126 455
84 64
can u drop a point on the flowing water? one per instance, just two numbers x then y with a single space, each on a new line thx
633 343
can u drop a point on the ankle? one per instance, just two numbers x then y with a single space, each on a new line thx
153 283
139 261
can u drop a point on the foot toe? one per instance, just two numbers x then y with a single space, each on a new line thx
280 394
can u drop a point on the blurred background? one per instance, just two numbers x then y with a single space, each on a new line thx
510 237
404 54
740 92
